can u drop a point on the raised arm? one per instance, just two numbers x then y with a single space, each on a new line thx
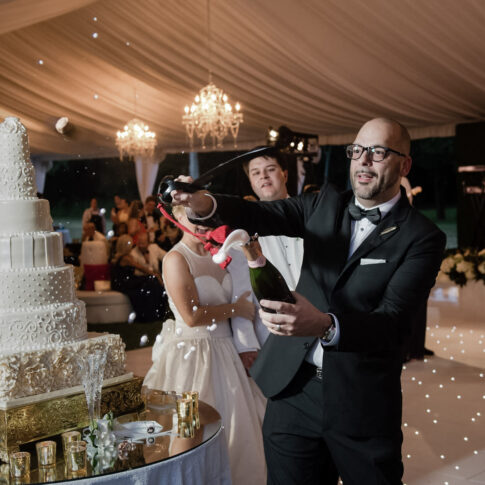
286 216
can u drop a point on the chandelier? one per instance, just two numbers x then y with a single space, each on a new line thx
136 140
211 113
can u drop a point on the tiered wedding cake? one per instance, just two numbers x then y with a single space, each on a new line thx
43 327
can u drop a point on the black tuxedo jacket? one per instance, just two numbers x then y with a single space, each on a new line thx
374 303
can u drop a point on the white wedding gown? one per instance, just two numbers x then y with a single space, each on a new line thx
204 359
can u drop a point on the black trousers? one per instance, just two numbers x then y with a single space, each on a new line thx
300 451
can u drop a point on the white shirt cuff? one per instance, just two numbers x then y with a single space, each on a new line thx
336 337
192 215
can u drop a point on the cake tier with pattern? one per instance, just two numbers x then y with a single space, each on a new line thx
47 370
42 327
34 250
18 174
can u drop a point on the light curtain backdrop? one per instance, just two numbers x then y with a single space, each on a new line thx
318 66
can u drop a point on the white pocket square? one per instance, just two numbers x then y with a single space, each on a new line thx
372 261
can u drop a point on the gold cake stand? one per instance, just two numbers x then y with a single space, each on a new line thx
26 420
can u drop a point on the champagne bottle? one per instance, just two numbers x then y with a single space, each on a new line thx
266 280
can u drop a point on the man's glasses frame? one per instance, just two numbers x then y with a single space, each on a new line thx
352 155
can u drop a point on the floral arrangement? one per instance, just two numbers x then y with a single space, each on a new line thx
101 443
462 266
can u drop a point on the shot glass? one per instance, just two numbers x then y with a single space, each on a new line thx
67 438
76 459
46 453
194 396
20 464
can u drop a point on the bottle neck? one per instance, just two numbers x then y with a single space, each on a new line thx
254 254
259 262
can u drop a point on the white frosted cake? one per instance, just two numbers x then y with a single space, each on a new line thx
43 328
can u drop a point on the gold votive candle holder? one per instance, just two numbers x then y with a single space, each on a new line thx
185 418
19 464
46 453
185 428
194 396
76 456
47 474
67 438
184 409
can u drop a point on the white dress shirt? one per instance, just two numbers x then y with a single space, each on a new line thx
286 254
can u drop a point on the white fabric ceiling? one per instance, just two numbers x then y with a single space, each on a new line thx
318 66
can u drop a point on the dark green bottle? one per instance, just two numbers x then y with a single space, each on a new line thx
266 280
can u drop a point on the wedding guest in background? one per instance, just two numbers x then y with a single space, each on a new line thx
146 292
135 225
267 175
114 210
148 254
91 234
121 211
169 234
331 367
94 214
119 230
197 353
151 217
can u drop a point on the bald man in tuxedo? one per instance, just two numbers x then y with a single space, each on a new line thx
331 367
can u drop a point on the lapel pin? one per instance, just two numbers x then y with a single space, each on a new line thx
388 230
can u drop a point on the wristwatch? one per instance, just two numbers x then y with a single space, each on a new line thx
329 333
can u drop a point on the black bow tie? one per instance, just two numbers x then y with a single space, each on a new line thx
374 215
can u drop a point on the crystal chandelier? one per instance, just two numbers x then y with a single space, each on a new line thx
211 113
136 140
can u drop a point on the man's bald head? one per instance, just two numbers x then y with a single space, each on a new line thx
397 134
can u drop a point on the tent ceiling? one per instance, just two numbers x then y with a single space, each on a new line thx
318 66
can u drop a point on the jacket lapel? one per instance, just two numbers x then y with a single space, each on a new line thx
336 252
385 230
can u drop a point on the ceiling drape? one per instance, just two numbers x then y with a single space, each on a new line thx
146 175
317 66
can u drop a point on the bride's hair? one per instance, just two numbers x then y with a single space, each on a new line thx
178 211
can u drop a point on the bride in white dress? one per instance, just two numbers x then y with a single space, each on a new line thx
196 351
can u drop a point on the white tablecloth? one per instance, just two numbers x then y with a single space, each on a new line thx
208 464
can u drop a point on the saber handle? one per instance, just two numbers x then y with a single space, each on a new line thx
168 184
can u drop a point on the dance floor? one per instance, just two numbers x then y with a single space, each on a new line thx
444 395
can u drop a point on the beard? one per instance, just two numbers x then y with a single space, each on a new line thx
376 186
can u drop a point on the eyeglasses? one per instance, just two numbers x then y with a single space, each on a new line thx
376 153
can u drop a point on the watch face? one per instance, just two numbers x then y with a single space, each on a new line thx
329 333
